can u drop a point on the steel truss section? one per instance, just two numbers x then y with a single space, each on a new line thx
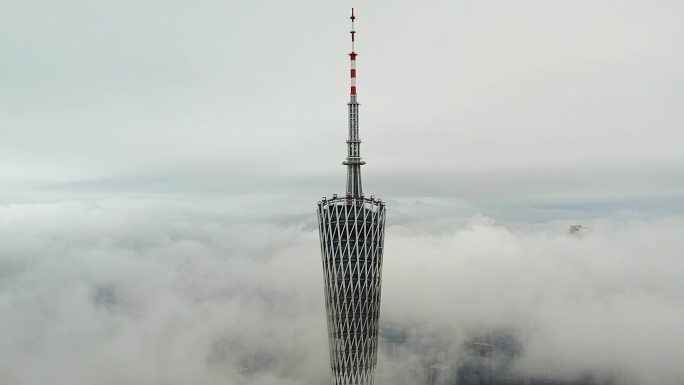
352 236
354 160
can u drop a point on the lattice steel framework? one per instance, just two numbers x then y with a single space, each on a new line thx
352 232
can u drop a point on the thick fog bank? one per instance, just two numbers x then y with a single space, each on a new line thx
160 293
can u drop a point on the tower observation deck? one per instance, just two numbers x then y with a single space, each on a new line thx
352 231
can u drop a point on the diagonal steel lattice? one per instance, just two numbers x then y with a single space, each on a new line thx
352 231
352 234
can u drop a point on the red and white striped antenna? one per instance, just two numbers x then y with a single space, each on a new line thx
353 161
352 56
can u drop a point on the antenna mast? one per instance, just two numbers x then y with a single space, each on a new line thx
353 161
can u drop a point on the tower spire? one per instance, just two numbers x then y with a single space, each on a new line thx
353 161
352 55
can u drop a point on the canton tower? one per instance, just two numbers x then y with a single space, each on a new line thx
352 230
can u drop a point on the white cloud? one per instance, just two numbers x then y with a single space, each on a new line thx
125 292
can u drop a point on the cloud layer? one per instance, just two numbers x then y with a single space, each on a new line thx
130 292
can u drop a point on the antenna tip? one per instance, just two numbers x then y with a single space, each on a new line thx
352 16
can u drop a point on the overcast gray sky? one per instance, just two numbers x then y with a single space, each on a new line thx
477 104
